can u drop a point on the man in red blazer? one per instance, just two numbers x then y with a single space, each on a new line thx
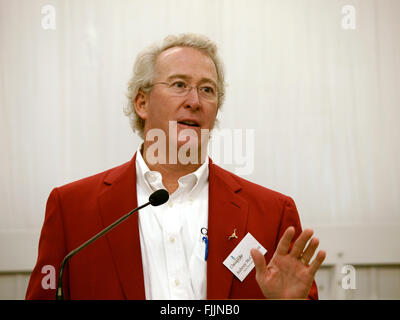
112 267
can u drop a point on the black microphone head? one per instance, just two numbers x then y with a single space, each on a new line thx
159 197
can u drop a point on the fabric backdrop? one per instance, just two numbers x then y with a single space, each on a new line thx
318 84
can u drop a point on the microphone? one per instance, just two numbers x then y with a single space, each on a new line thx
157 198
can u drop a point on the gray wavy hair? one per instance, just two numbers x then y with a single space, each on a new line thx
144 71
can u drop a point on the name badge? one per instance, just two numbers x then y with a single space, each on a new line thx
239 261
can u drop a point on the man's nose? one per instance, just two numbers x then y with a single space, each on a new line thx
193 99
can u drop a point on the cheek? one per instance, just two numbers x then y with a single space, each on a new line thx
159 109
164 103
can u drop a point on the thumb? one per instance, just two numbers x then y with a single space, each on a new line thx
259 261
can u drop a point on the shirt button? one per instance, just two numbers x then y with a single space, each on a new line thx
170 204
171 239
176 282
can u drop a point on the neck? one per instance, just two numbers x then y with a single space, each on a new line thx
171 172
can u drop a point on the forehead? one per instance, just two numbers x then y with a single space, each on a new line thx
186 61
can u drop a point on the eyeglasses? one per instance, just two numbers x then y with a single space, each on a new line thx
181 88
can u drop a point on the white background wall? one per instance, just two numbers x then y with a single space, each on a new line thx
324 103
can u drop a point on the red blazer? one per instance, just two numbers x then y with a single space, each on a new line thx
111 267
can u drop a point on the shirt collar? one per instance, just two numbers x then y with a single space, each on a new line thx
190 184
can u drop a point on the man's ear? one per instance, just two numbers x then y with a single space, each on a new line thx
141 103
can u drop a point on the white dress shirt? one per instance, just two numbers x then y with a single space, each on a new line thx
173 252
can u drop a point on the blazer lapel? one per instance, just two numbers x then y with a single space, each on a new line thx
118 199
227 212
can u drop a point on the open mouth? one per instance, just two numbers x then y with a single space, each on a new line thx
189 123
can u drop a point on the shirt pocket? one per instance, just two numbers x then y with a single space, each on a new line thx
198 271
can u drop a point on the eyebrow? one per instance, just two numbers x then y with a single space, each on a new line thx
186 77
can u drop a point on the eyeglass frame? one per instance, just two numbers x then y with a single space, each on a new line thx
189 88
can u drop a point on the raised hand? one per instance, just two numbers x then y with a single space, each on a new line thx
289 274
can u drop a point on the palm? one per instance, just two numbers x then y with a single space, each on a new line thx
286 276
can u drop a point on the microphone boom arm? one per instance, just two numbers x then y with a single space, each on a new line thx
59 290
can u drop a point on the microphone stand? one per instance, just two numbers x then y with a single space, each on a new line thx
59 290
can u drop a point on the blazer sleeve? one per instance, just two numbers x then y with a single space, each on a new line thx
52 250
290 217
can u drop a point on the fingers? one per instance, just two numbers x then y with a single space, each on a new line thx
300 243
259 261
314 266
284 243
310 250
306 255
